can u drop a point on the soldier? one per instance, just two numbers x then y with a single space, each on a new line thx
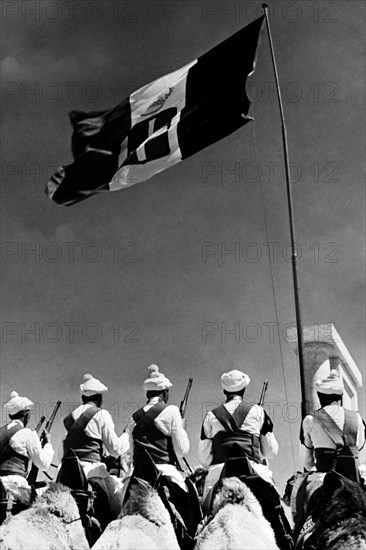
89 427
333 437
159 429
18 446
236 422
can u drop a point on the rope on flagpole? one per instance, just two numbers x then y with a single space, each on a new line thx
300 336
274 293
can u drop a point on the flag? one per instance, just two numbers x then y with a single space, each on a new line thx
160 124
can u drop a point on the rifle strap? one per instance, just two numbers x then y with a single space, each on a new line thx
350 428
144 419
232 422
340 438
81 423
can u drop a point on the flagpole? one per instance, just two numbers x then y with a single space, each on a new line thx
300 337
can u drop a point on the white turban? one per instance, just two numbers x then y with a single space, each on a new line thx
92 386
235 380
331 384
17 403
156 381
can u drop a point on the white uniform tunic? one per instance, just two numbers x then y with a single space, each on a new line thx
252 425
315 437
169 422
27 443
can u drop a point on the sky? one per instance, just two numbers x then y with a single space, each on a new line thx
191 269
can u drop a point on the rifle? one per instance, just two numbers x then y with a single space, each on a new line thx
32 476
264 389
183 403
50 421
261 401
182 410
39 424
187 464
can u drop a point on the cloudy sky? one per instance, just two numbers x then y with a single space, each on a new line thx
148 274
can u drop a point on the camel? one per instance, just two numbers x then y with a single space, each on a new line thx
238 522
144 523
51 523
338 514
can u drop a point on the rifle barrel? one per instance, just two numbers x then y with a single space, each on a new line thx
264 389
188 388
39 424
183 403
53 416
187 464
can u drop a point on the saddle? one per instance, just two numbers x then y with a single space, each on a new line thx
173 497
72 475
238 465
10 506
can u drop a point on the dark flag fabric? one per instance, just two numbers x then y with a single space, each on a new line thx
160 124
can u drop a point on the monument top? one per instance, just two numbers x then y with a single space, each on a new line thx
335 347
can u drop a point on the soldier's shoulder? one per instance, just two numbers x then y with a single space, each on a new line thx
172 409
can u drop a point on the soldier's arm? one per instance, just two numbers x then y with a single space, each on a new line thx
205 447
116 446
268 441
178 433
41 457
307 448
361 433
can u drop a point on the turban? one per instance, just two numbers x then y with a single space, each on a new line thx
235 380
331 384
91 386
17 403
156 380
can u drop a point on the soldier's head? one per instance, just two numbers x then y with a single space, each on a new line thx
24 416
157 384
96 398
330 389
234 383
163 395
92 390
231 394
18 408
326 399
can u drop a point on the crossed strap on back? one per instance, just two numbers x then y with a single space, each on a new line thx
144 419
81 423
232 422
340 438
